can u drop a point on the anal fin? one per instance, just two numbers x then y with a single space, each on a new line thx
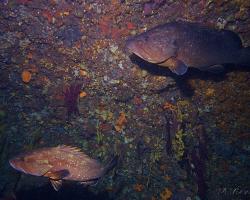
216 69
90 182
56 184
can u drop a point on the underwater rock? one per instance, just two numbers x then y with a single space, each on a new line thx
69 35
7 40
151 6
224 150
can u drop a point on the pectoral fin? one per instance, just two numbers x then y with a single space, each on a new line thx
175 65
57 175
57 184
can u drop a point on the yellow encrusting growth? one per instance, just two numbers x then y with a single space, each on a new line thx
166 194
26 76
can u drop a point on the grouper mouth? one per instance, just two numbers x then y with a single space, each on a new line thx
143 53
13 164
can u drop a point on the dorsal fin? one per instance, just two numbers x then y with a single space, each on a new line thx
69 148
72 150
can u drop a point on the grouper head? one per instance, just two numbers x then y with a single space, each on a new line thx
152 46
31 163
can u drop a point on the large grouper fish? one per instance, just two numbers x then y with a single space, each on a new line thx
179 45
61 163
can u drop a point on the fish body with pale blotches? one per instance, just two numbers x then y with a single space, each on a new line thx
61 163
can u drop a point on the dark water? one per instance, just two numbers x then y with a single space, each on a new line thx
66 78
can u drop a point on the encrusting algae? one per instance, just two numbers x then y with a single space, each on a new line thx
26 76
138 187
120 123
82 94
169 106
166 194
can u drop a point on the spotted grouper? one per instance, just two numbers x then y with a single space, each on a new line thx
179 45
61 163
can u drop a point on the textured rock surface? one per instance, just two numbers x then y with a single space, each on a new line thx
126 102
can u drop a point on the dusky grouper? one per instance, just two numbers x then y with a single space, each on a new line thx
179 45
61 163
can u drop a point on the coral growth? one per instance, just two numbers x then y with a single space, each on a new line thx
166 194
120 123
138 187
171 129
26 76
71 96
198 157
200 171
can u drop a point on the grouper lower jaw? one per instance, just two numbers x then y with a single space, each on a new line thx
137 48
132 48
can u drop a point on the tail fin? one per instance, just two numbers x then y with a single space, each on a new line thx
111 164
244 57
